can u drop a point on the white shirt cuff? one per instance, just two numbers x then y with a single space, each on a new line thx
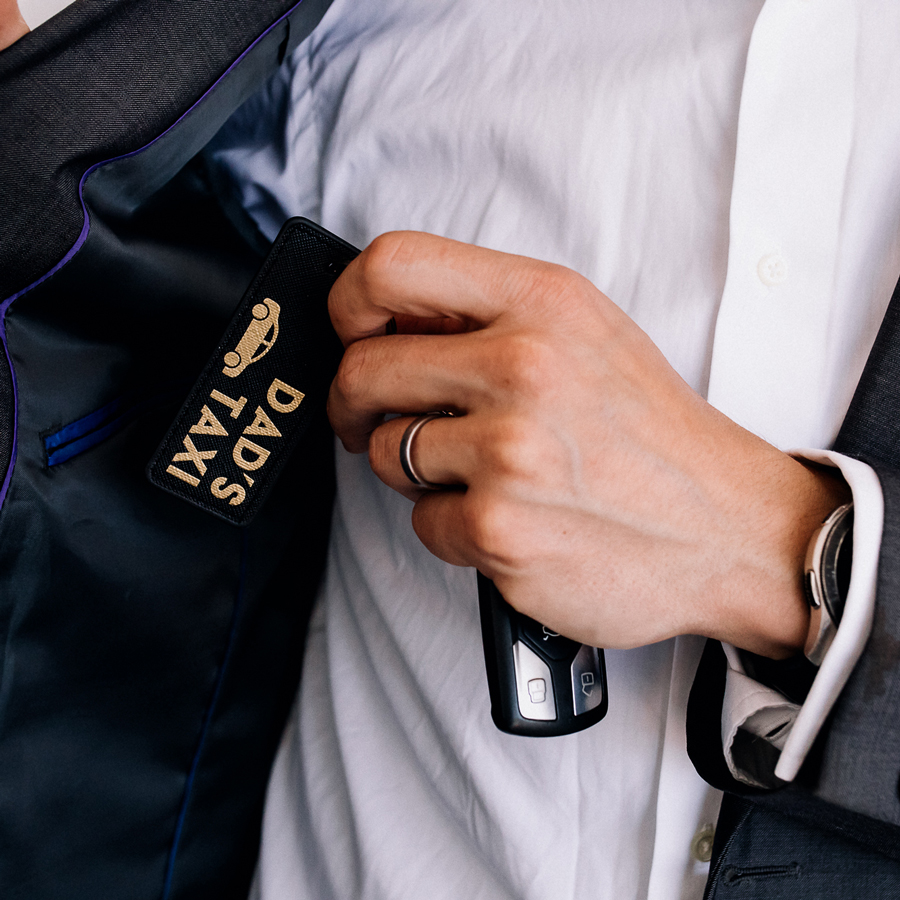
764 713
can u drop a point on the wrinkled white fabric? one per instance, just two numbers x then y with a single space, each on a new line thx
731 218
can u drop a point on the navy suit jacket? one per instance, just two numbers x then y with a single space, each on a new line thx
148 651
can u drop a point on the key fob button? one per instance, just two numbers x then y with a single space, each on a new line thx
534 684
547 642
587 683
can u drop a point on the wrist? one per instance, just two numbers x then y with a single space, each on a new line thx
828 492
771 610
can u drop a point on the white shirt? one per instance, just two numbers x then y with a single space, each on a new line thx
741 206
36 12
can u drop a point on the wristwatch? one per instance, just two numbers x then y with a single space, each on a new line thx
826 579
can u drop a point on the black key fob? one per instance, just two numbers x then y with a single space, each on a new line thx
541 684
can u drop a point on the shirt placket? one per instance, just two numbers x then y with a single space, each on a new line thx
794 139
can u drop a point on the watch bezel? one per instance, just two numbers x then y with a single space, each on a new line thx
826 579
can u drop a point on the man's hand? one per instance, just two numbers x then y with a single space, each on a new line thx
604 497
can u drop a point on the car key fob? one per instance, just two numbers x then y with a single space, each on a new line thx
541 684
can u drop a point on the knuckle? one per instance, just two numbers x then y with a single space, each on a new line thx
555 283
351 373
560 293
528 365
378 259
491 526
380 445
513 453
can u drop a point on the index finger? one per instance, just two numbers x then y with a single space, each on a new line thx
418 275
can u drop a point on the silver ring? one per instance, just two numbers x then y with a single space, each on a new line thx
406 443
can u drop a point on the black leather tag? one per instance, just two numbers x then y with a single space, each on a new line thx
265 384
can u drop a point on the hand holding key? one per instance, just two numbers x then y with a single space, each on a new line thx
602 495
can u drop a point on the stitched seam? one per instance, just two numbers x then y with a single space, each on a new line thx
734 874
6 477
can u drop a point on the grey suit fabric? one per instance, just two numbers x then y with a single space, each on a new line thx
762 854
861 755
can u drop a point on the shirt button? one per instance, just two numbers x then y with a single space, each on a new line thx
772 269
702 844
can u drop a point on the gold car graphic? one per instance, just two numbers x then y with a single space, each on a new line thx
256 341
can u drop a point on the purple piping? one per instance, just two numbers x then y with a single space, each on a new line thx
85 229
12 456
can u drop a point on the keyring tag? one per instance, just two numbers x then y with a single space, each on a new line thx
264 385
